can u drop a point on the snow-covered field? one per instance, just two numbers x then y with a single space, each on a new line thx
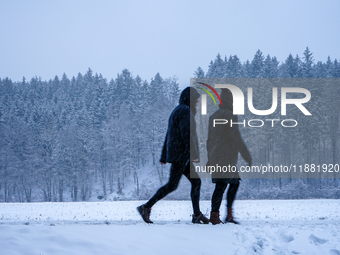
267 227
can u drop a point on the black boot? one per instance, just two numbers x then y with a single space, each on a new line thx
199 219
145 213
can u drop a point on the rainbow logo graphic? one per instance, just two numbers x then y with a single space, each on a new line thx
204 97
213 90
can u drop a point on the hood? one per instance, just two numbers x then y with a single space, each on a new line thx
227 99
187 94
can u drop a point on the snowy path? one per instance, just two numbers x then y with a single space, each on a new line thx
267 227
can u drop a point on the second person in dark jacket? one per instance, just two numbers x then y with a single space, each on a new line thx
223 145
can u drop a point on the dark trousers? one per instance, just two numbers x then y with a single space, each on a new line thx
176 171
218 194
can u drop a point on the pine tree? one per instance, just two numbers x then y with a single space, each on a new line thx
336 69
247 70
328 68
270 67
307 64
291 67
217 69
319 70
211 70
234 67
174 92
157 85
199 73
257 65
124 85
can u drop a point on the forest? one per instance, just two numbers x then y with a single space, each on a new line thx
67 139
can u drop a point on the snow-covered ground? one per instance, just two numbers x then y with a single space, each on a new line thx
267 227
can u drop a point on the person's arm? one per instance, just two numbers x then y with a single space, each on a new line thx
184 125
188 133
235 135
163 155
194 149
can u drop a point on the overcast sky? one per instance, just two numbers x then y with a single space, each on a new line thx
48 38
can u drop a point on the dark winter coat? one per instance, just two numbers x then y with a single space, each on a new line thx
224 143
181 133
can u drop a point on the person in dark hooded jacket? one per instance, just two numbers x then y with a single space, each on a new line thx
223 146
180 145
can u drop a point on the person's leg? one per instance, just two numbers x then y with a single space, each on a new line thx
233 187
195 187
231 194
176 171
216 199
195 181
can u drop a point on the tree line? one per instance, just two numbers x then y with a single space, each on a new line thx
63 137
315 140
66 138
269 67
